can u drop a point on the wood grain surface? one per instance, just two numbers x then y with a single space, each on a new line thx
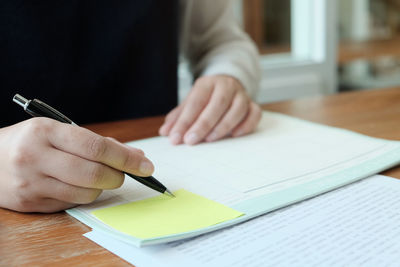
56 239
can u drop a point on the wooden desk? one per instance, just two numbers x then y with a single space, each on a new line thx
56 239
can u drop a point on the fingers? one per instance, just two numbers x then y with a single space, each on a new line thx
126 146
46 194
88 145
231 119
49 166
67 193
250 122
78 171
44 205
170 120
219 103
48 205
217 106
194 104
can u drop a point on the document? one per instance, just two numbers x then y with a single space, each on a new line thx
285 161
356 225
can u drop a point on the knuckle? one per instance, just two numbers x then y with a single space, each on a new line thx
82 196
24 203
223 128
38 125
197 103
203 80
204 124
97 147
22 156
130 161
184 124
96 175
230 83
21 186
172 114
66 194
243 101
223 100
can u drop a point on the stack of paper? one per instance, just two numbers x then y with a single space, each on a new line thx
285 161
357 225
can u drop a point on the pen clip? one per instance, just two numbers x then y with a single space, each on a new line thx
37 108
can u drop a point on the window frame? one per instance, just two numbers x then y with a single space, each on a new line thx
310 67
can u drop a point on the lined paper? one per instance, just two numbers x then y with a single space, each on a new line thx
357 225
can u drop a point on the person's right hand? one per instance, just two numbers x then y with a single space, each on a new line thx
47 166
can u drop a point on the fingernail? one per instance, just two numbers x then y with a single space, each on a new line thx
212 137
175 138
146 168
191 138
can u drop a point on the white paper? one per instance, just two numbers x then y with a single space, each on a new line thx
357 225
282 152
286 159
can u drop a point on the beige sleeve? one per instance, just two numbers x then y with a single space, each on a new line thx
214 43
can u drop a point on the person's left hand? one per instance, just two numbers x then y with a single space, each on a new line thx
217 106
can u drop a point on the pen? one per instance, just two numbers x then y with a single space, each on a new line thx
37 108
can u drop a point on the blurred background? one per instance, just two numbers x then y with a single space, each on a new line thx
313 47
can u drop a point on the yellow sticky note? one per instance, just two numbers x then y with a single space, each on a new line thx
162 215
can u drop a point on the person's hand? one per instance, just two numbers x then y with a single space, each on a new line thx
216 107
47 166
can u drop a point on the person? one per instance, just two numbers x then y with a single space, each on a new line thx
100 60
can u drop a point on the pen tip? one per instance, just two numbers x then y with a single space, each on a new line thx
169 193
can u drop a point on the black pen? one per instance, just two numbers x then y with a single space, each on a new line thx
37 108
